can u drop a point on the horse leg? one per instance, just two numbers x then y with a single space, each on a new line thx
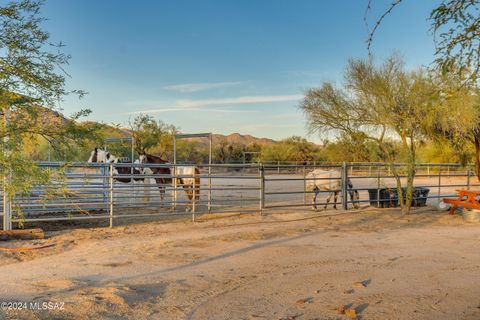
314 199
190 197
161 188
335 197
355 198
328 200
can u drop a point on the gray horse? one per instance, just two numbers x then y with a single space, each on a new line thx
329 180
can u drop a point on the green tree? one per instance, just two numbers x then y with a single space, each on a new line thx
294 148
151 135
380 103
455 25
32 82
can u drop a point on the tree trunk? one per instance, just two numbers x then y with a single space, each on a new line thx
398 184
410 148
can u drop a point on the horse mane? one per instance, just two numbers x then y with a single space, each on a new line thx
155 159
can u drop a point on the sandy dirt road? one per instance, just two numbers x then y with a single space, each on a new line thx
299 265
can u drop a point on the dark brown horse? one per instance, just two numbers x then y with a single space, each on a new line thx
190 180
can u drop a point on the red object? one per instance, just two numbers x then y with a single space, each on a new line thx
466 198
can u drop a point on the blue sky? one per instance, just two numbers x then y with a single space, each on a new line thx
222 66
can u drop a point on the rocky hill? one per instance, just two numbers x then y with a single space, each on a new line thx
245 139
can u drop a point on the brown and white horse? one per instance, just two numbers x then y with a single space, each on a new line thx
189 176
102 156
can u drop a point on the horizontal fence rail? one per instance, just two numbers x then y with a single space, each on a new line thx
80 191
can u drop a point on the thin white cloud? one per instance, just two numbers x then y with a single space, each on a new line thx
237 100
200 104
202 86
163 110
270 126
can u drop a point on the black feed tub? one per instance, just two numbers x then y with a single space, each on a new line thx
389 197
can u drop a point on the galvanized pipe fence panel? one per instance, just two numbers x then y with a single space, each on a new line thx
80 191
442 180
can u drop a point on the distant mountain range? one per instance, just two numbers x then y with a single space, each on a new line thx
244 139
236 138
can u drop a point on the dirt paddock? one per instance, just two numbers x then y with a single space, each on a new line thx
290 265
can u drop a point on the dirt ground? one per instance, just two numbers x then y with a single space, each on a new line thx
301 265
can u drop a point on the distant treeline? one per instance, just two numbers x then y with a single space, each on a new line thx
293 149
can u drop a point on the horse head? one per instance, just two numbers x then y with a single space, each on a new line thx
143 158
101 156
93 156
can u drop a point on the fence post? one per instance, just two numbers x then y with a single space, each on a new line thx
194 195
103 168
209 205
344 185
468 178
7 206
174 179
110 179
378 185
304 186
439 182
278 167
262 188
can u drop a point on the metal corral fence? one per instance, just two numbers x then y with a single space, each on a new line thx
80 191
